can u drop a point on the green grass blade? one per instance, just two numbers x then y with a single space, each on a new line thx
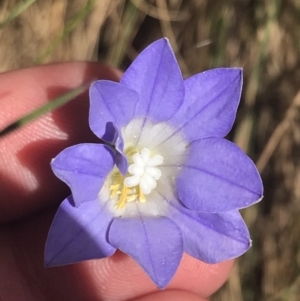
52 105
16 12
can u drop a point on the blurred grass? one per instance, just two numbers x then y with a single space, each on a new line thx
260 36
16 11
67 29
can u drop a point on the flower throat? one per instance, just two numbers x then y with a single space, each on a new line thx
141 178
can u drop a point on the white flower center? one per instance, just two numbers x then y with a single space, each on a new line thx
142 178
155 153
144 171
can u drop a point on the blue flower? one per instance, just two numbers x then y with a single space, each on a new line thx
165 181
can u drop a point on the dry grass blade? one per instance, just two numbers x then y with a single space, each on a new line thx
69 27
278 134
51 30
16 12
125 33
245 128
165 15
165 21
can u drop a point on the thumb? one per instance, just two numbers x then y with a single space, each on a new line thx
171 295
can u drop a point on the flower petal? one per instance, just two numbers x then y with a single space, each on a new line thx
155 243
121 158
210 104
112 106
84 167
212 237
156 76
217 177
78 233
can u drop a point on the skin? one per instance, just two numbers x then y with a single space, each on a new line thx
30 195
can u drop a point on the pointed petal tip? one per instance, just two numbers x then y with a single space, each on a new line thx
78 234
247 246
259 191
156 76
213 97
237 70
166 42
235 73
147 245
48 263
52 263
49 260
162 286
159 44
163 40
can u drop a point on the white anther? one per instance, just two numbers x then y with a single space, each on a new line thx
144 171
137 159
149 180
132 181
145 155
145 188
136 169
155 161
154 172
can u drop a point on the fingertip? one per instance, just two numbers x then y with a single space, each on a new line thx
199 277
27 182
123 278
171 295
23 90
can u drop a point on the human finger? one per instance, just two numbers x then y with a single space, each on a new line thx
27 182
174 295
116 278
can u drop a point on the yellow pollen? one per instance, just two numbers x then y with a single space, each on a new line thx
131 198
125 194
139 180
142 196
123 197
114 190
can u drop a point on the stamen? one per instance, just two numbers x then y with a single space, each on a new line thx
144 171
114 190
122 200
137 159
154 172
132 181
141 196
147 181
132 198
143 174
135 169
